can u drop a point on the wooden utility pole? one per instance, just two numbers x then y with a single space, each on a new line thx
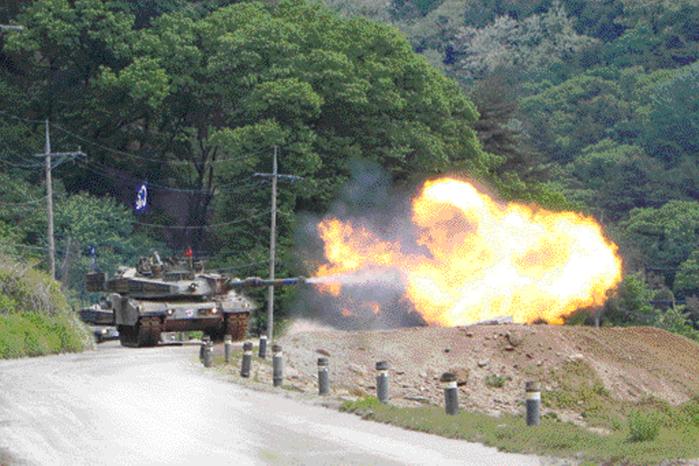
272 249
49 202
48 156
275 175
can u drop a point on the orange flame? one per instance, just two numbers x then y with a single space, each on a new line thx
485 259
346 312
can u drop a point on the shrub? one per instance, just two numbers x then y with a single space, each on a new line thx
34 315
495 381
643 427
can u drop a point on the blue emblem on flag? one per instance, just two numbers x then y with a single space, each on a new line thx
142 199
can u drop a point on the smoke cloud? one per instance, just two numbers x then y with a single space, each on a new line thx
370 298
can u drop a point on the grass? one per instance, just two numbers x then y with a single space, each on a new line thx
643 426
677 436
36 334
35 318
496 381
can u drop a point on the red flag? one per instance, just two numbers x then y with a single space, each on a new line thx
188 252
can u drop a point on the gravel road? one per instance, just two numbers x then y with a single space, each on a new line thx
158 406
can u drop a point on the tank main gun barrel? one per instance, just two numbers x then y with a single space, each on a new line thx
257 282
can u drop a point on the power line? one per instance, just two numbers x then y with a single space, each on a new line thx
26 246
21 165
202 227
17 117
104 170
148 159
248 156
18 204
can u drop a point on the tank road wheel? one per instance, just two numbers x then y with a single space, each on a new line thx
156 328
148 331
237 325
127 336
216 334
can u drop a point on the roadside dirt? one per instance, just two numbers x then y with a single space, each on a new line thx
632 363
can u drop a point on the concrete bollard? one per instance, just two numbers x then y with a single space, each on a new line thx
247 359
262 350
209 354
202 348
451 393
323 377
227 346
277 366
533 390
382 381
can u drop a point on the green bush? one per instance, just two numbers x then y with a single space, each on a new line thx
35 334
495 381
691 411
643 426
34 315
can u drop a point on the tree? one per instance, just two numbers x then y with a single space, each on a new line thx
579 112
672 125
63 45
325 102
597 18
405 9
82 221
676 320
663 237
630 303
614 178
530 44
203 94
659 34
499 130
687 277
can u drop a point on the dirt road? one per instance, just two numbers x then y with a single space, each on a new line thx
157 406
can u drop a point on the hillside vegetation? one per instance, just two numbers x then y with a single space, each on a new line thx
586 105
595 99
35 318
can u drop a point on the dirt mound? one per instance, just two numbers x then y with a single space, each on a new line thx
493 362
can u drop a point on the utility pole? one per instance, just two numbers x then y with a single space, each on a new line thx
49 193
49 202
273 238
272 249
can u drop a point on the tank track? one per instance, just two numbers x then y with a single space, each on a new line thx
237 326
145 333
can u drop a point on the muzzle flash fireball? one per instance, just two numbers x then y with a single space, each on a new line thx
482 259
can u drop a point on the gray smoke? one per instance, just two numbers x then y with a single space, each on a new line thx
369 201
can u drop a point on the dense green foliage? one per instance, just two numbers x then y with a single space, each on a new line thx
589 105
35 334
598 99
81 220
193 99
35 318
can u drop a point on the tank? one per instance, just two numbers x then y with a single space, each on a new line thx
176 295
